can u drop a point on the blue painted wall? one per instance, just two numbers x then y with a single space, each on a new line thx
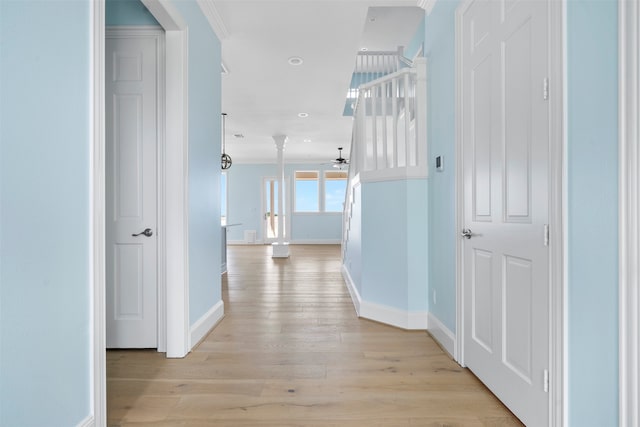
441 65
128 12
592 70
387 252
44 213
205 129
245 204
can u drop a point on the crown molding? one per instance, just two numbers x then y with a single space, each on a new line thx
427 5
215 20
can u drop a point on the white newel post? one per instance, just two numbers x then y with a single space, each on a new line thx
280 248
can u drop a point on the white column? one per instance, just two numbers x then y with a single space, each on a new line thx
280 248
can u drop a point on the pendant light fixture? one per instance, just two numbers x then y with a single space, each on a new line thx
225 159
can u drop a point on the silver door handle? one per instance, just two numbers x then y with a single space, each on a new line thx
466 233
147 232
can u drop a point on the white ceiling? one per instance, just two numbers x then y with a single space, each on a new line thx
262 93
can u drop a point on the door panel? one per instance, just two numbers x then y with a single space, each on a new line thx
131 191
505 143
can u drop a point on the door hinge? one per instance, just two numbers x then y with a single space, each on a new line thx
546 235
546 381
545 89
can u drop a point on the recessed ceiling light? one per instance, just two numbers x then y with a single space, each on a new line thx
238 135
307 140
372 19
364 49
295 60
303 115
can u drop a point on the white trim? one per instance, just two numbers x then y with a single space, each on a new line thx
427 5
166 14
441 334
629 211
353 291
558 334
87 422
176 190
411 320
414 320
206 323
98 375
215 19
316 242
458 354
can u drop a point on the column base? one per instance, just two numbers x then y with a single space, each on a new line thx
280 250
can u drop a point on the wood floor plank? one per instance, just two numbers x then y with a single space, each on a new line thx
291 351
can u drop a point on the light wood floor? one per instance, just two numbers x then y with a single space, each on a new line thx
291 352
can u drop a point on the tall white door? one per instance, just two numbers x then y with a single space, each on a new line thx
505 142
131 195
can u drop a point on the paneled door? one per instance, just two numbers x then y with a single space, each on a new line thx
505 143
131 86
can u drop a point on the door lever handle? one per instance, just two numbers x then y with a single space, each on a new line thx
147 232
466 233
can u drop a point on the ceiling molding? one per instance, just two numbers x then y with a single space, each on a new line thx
215 20
427 5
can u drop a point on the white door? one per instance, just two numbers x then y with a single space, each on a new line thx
131 195
505 142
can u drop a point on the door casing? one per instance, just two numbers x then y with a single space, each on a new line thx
557 211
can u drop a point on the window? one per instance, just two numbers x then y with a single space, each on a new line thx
335 186
307 191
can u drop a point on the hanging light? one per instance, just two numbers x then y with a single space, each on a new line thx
225 159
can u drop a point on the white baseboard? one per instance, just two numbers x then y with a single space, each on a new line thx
243 242
201 328
382 313
316 242
353 291
87 422
442 335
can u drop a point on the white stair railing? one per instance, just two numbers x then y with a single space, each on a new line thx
389 139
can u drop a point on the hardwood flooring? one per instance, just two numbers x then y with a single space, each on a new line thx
290 351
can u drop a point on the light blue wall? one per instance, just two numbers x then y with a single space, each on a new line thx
44 213
128 12
204 161
245 204
387 252
592 67
440 53
353 249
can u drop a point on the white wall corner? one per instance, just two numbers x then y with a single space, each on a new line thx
427 5
353 291
442 335
166 15
215 19
87 422
206 323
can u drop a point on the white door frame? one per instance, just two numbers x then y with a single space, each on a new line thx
629 211
174 226
557 211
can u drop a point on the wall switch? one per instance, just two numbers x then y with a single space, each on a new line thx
439 163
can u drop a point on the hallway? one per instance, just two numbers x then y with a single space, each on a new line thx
291 352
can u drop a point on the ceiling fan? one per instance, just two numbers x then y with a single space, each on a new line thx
340 162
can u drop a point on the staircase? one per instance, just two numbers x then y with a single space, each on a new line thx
385 231
389 140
